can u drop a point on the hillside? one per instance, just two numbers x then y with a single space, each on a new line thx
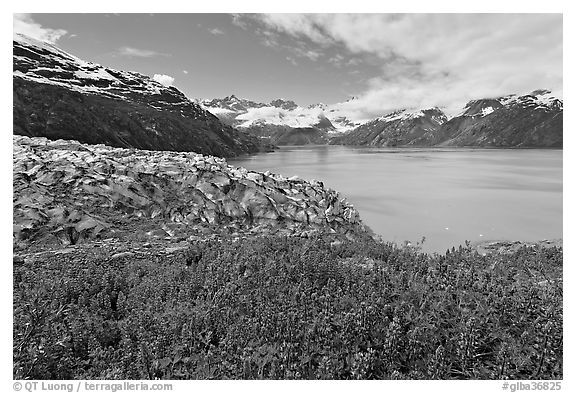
532 120
59 96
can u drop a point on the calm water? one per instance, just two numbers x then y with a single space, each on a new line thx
446 195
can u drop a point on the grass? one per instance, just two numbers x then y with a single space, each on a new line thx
290 308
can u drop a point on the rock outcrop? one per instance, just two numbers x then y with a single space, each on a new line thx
59 96
67 192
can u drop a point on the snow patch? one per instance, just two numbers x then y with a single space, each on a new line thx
46 46
48 64
542 100
487 110
403 114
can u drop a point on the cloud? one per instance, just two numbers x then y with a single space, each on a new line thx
307 53
239 20
300 25
185 71
135 52
216 31
273 38
337 60
166 80
269 38
24 24
437 59
292 60
297 49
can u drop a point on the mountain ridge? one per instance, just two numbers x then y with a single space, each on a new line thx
282 122
59 96
244 112
530 120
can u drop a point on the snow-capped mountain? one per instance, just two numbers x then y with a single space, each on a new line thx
538 100
541 100
399 128
246 114
531 120
282 121
231 104
45 63
59 96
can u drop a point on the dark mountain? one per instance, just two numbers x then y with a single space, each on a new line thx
301 136
59 96
324 123
399 128
532 120
289 136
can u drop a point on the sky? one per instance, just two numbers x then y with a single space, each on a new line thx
386 61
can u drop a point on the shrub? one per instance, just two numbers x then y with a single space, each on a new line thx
290 308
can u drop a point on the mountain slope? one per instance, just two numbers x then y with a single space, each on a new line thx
532 120
58 96
399 128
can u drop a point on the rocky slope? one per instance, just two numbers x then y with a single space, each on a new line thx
66 192
532 120
400 128
57 95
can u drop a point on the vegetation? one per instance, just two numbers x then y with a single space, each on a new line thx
290 308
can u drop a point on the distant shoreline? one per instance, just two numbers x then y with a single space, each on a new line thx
509 246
